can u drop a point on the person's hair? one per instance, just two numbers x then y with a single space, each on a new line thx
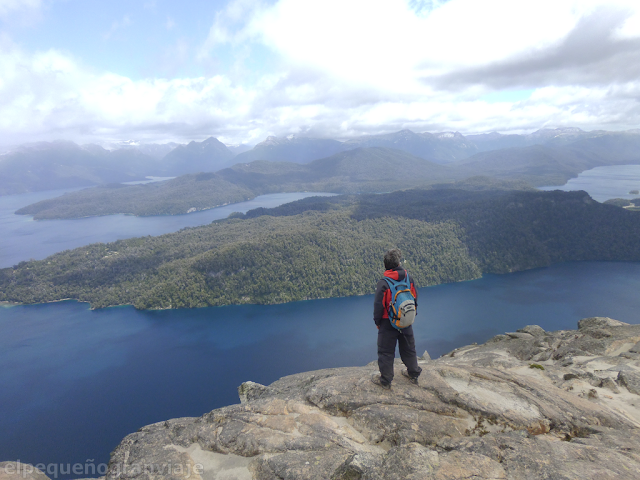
392 258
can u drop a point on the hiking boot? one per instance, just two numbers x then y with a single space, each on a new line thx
378 381
413 380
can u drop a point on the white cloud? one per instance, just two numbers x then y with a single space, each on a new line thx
631 27
232 25
384 43
350 67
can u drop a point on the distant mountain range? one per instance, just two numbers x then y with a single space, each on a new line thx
358 170
543 157
208 156
55 165
291 149
439 148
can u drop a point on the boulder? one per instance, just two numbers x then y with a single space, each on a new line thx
598 322
534 330
630 380
250 390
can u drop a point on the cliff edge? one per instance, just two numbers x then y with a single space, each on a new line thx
525 405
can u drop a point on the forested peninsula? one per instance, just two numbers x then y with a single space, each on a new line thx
332 246
184 194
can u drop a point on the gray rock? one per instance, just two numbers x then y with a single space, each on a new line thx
630 380
567 361
295 465
20 471
542 356
360 466
598 322
580 346
609 384
519 335
599 333
498 338
416 462
541 457
534 330
635 348
630 355
250 390
426 356
398 425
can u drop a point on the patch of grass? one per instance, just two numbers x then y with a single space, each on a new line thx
536 365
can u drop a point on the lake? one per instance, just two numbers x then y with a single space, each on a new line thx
76 381
24 238
604 183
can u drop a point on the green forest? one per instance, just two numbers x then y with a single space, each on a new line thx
333 246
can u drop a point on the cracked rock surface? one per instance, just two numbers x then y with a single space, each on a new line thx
525 405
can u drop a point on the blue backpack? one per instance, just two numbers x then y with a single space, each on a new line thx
402 307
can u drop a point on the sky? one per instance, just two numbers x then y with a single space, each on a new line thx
95 71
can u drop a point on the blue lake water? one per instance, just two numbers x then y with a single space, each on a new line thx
604 183
76 381
24 238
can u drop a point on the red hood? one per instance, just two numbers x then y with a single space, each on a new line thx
394 274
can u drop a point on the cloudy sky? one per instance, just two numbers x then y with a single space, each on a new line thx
239 70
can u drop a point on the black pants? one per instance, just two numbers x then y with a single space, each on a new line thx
387 339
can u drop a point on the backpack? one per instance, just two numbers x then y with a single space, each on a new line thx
402 307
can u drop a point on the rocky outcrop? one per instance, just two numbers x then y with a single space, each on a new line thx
525 405
20 471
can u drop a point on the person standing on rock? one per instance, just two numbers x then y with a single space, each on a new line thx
388 335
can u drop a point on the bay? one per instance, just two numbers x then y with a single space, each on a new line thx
75 381
604 183
24 238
